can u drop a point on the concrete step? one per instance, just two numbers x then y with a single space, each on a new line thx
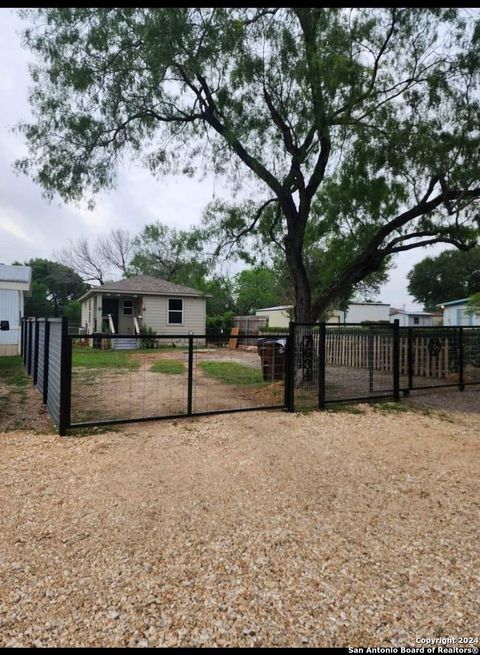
125 344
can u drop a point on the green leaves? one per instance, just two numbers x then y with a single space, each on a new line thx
450 276
335 117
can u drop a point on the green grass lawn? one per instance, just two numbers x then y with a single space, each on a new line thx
15 377
12 372
172 366
93 358
233 373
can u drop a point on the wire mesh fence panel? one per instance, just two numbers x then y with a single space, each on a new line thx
159 376
230 373
128 379
358 362
55 370
471 355
429 357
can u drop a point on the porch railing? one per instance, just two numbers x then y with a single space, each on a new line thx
136 326
110 324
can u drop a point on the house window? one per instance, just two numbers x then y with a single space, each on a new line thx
175 311
416 320
128 307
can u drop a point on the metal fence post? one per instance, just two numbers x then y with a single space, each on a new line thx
461 382
65 379
29 347
291 367
35 353
370 360
190 375
22 344
396 359
321 365
286 373
410 357
46 355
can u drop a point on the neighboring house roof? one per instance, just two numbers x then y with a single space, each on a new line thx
145 284
454 302
16 277
384 304
15 273
272 309
413 312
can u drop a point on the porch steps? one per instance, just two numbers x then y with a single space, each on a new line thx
124 344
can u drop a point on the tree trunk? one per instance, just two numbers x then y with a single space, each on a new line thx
303 296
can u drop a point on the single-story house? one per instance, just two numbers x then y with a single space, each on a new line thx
15 284
356 312
124 307
454 313
412 318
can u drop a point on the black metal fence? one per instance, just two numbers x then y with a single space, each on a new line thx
100 379
354 362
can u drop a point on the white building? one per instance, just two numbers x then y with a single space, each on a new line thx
357 312
414 318
15 284
454 313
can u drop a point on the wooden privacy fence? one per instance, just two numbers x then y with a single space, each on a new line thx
431 355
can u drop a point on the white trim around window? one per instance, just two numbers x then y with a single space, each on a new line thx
174 311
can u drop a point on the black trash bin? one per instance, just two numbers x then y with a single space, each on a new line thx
272 352
97 340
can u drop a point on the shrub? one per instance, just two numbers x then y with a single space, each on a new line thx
147 337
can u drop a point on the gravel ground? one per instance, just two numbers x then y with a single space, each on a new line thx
257 529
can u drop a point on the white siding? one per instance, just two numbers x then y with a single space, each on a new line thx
455 315
358 313
277 318
155 315
11 306
408 320
15 286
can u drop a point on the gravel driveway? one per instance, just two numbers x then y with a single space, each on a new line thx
266 529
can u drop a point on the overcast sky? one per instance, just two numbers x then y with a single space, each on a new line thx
31 227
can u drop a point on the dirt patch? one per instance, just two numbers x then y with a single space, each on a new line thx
258 529
23 409
103 394
452 401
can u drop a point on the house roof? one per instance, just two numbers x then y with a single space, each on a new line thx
15 273
145 284
280 307
271 309
412 312
454 302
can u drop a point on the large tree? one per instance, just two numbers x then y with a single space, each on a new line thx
363 120
449 276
